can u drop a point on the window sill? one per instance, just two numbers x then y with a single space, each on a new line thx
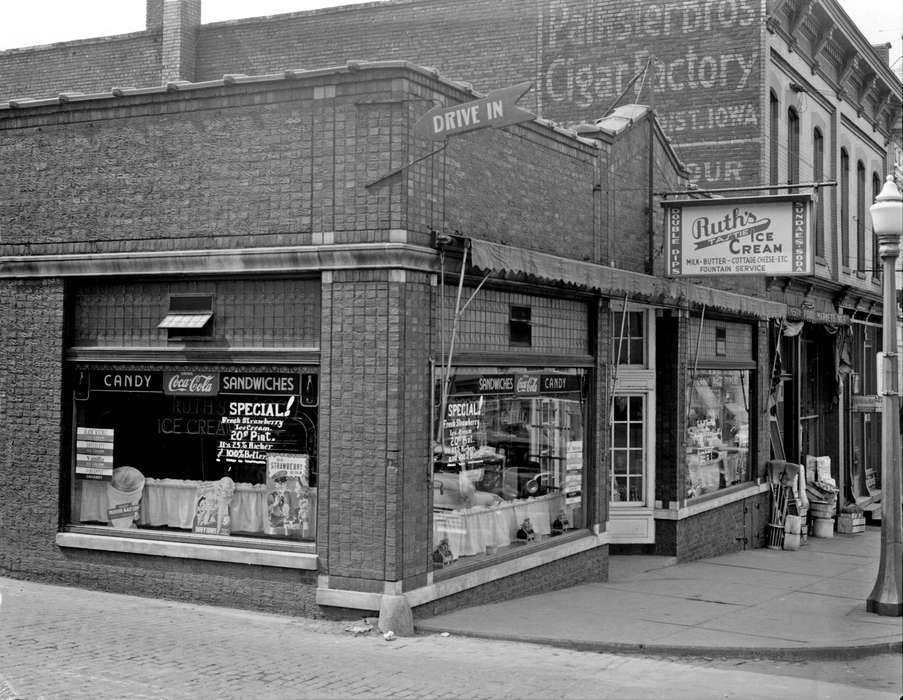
188 550
709 502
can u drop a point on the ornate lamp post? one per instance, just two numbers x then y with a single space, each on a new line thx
886 597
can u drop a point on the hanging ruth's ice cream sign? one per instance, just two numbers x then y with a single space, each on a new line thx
742 236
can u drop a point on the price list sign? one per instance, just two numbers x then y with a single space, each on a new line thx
94 453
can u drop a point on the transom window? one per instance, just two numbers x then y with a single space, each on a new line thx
628 338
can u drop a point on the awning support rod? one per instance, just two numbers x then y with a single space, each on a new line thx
751 188
614 369
451 349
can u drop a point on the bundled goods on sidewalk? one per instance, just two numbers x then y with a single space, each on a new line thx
785 525
821 489
793 527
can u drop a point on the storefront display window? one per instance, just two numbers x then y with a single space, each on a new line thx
508 461
717 440
212 452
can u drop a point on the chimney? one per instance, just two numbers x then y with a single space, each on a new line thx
883 50
154 15
181 19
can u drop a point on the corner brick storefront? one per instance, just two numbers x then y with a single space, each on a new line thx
243 364
220 339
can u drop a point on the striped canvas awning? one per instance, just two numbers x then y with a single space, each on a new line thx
528 265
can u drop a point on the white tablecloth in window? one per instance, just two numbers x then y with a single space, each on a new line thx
170 502
470 530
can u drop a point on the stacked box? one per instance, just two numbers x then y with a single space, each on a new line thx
850 523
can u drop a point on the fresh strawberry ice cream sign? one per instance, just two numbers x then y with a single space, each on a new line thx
744 236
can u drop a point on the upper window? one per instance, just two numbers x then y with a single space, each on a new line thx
876 261
190 316
773 122
793 147
628 338
520 326
818 174
844 208
860 216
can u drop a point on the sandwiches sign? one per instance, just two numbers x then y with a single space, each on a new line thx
743 236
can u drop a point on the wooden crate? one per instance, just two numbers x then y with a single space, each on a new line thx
849 523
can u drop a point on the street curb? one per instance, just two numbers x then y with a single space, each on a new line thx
827 653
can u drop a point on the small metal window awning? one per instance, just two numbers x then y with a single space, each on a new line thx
185 320
520 264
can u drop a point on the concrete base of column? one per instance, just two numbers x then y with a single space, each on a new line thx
395 616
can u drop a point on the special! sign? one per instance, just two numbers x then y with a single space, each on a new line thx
497 109
740 236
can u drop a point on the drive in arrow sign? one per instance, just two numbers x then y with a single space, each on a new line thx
497 109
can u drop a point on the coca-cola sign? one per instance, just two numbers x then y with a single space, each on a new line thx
191 383
527 384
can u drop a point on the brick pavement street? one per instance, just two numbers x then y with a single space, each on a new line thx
58 642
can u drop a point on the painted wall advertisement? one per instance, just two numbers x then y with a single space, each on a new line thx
657 53
742 236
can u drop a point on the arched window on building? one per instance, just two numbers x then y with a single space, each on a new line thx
876 262
844 208
860 216
793 148
773 119
818 174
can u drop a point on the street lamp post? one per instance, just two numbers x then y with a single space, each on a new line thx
886 597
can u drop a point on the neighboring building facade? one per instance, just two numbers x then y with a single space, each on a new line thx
663 386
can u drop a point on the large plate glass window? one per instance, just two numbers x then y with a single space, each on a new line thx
508 468
718 445
214 452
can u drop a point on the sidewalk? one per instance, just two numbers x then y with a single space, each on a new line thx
803 604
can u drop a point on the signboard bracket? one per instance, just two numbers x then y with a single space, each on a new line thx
400 170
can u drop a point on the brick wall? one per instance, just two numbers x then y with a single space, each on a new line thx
375 367
360 429
519 187
588 566
88 66
731 528
246 313
559 326
31 336
261 165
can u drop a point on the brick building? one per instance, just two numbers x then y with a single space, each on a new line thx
182 183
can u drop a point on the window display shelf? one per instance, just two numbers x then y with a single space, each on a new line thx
471 531
170 503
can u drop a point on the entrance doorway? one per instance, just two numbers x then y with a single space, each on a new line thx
631 451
